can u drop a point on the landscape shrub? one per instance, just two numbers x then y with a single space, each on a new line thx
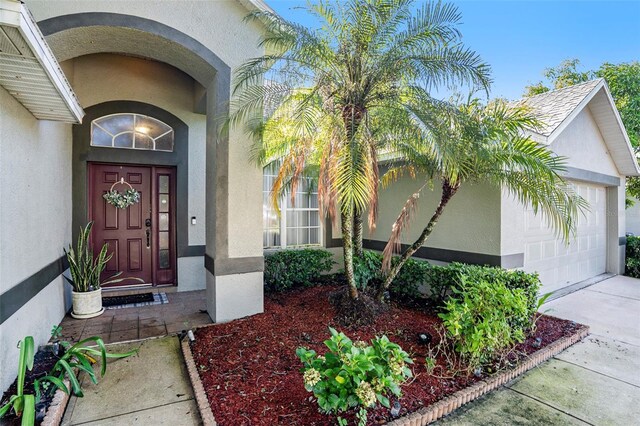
285 269
478 319
368 267
355 375
441 280
632 261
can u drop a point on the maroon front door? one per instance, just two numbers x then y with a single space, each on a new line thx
141 235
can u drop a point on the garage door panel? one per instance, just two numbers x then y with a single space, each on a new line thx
560 264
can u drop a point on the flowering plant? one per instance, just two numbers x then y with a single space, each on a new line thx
120 200
355 375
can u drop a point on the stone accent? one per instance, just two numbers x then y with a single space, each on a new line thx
425 415
198 389
54 414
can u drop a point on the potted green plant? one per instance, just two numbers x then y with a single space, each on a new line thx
85 273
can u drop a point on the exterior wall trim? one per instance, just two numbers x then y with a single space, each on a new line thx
17 296
235 265
88 19
509 261
590 176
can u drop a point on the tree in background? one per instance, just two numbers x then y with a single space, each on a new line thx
623 81
330 92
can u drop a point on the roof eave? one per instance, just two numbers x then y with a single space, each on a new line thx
626 168
61 104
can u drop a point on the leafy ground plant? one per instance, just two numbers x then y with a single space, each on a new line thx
82 358
483 319
355 375
23 405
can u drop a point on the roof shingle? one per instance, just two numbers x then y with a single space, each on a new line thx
553 107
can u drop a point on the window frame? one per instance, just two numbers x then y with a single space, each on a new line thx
284 209
133 131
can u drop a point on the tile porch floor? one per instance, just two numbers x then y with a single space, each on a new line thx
122 325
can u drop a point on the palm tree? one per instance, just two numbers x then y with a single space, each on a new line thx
327 86
476 143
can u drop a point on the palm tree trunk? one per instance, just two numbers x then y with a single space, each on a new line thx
347 248
357 233
448 191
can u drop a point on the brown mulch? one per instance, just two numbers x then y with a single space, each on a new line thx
252 376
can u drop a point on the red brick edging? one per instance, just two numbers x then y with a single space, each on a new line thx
54 414
198 389
445 406
425 415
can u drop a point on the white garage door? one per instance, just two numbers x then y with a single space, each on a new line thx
558 264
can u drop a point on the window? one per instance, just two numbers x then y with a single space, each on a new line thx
131 131
299 224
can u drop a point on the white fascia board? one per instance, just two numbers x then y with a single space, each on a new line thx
15 14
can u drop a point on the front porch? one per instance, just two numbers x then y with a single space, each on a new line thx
185 310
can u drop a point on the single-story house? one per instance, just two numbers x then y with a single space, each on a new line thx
485 225
95 91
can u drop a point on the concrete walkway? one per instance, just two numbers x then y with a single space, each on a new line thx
596 381
150 388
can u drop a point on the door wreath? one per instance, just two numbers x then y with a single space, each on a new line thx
122 200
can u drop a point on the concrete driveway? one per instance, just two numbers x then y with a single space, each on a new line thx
596 381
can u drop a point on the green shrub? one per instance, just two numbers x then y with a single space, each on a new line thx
632 261
441 280
513 279
479 319
287 268
368 267
355 375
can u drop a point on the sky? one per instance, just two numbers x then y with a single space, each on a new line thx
519 39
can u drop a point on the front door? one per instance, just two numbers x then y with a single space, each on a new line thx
140 236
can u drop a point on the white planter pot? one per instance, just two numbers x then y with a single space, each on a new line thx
87 304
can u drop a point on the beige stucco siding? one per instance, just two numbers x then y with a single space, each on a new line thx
470 222
106 77
35 220
219 26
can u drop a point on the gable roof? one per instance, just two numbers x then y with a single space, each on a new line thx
557 108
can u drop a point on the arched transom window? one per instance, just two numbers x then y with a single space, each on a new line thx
132 131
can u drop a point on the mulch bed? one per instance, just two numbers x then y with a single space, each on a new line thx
44 361
252 376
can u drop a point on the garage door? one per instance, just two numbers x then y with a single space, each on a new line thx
560 265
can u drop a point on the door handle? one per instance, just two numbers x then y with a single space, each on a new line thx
147 223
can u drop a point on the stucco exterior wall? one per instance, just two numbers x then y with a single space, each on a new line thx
469 223
100 78
220 26
633 218
582 143
35 220
107 77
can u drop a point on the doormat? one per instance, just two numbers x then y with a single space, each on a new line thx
134 300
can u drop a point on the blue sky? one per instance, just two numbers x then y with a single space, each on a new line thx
519 39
